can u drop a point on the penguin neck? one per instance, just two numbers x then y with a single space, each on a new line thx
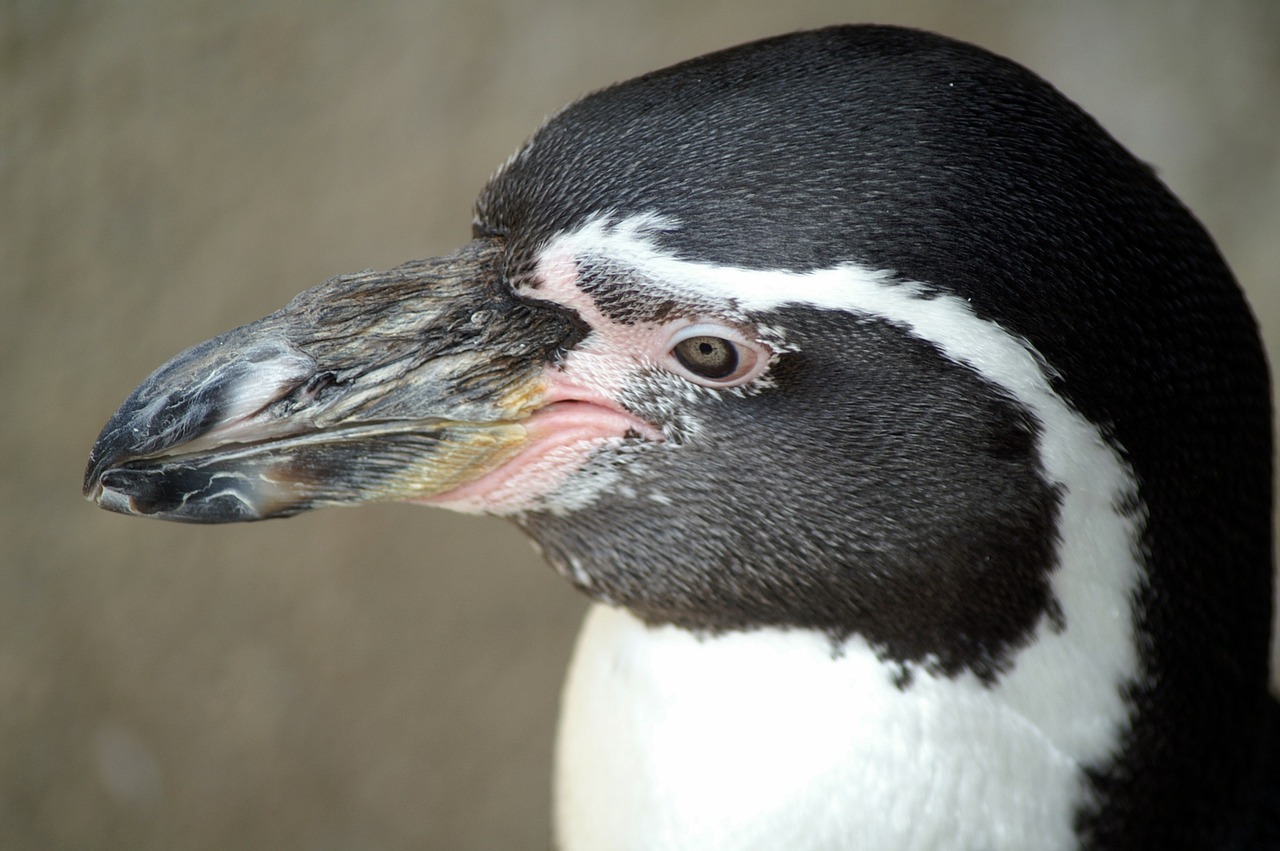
773 738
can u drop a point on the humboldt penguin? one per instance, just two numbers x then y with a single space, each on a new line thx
912 440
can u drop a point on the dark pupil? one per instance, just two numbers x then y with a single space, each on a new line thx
710 357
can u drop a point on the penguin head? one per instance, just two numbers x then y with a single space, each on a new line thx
941 288
859 330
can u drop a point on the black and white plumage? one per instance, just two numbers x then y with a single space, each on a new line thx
912 437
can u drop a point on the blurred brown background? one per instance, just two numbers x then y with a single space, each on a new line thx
383 678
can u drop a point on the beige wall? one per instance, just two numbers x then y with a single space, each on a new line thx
384 678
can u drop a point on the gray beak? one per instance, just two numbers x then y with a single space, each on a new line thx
376 386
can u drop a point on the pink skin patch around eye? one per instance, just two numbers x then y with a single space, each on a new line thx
579 413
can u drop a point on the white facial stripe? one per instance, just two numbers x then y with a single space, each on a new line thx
1066 684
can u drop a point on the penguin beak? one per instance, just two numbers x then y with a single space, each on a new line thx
377 386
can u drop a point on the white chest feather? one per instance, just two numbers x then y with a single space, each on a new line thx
765 740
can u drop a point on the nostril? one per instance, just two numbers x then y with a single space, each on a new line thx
315 385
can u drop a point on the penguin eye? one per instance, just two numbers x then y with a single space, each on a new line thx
711 357
715 356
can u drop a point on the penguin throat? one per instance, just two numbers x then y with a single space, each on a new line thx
767 739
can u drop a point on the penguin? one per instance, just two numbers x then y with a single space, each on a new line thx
912 440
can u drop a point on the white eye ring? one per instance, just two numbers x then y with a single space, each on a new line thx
715 355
